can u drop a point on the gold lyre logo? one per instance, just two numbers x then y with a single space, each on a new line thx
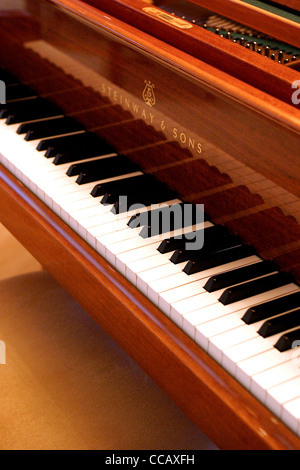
148 94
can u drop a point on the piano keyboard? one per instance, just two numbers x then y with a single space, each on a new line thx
232 303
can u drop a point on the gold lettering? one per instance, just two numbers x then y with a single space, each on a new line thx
192 143
180 135
182 138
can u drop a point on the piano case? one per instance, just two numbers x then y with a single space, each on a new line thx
220 128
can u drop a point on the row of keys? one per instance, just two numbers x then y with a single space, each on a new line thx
230 301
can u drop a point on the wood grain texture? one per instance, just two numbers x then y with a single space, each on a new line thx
216 107
267 146
290 3
257 18
233 59
211 398
15 260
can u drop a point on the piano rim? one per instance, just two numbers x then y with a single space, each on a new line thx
228 414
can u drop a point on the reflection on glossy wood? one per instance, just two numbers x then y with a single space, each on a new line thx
198 107
212 399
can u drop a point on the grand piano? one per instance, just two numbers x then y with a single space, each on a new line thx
177 103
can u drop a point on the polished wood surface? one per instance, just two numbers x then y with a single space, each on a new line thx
226 116
290 3
257 18
233 59
216 107
212 399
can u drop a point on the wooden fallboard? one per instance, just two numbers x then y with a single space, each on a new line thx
196 108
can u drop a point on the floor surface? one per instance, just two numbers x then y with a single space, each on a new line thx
65 384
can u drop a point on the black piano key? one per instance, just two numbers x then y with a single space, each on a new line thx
228 241
87 167
251 288
218 259
271 308
8 78
69 142
77 168
108 188
211 233
106 168
287 340
83 153
145 199
221 281
19 92
18 106
78 145
48 128
23 106
145 219
163 220
131 188
280 324
30 110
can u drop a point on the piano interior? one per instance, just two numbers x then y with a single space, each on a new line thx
203 96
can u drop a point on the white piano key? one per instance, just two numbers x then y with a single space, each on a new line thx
157 273
246 350
179 279
247 368
179 294
116 244
291 414
263 381
197 302
286 391
218 318
221 342
88 219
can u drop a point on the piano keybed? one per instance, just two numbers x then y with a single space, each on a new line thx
182 290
